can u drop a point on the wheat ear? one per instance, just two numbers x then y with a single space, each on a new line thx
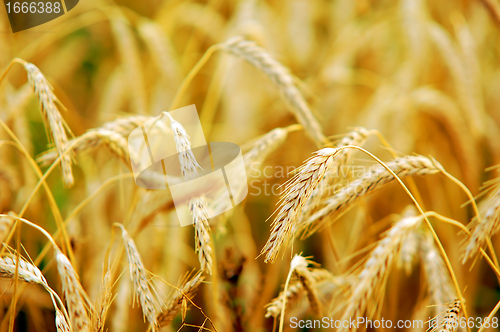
199 213
143 287
375 271
61 323
103 304
175 303
482 229
371 181
296 194
451 318
440 286
356 137
73 293
265 145
52 117
112 134
280 76
29 273
295 290
197 206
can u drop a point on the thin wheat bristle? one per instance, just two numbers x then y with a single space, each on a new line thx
52 117
174 305
112 134
199 213
441 289
484 229
143 287
73 293
281 78
369 182
296 194
374 272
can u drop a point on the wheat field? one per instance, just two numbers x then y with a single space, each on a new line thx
370 133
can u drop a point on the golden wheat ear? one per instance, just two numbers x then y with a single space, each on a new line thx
184 294
280 76
53 120
143 287
297 192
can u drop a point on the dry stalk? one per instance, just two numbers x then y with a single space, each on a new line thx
173 307
280 76
375 271
143 287
296 193
368 183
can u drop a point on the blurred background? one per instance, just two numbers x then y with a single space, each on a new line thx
425 74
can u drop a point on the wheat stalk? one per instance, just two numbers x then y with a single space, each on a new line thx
199 213
73 293
175 302
51 115
371 181
281 78
143 287
484 228
376 268
296 194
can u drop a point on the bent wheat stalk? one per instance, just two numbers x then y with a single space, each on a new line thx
296 194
